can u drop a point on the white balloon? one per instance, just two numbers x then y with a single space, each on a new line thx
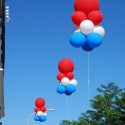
64 81
45 114
74 82
39 113
100 30
76 29
86 27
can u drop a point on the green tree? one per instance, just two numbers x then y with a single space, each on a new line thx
108 108
65 122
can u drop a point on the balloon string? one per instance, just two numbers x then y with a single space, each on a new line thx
89 89
67 108
89 77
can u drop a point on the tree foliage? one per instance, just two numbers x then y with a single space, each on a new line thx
108 108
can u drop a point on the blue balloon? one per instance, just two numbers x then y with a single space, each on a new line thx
94 40
42 118
61 89
77 39
87 48
66 92
36 118
70 88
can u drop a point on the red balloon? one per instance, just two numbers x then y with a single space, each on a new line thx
78 17
66 65
60 76
70 75
95 16
36 109
40 102
43 109
86 6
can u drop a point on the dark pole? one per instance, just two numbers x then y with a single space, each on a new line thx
2 56
3 34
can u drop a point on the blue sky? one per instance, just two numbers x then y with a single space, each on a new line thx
37 38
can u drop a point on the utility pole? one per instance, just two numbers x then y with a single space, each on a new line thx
4 17
2 56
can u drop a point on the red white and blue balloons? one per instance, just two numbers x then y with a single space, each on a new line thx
87 17
67 83
40 110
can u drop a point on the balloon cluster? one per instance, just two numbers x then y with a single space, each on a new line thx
87 17
66 77
40 110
